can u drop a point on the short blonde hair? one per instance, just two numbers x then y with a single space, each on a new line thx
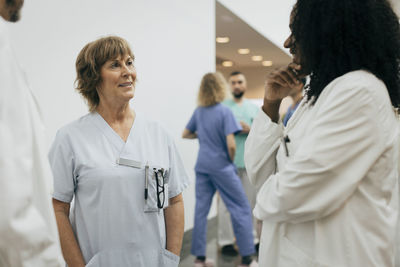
89 62
212 90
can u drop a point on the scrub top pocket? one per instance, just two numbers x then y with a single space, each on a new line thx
122 257
157 189
169 259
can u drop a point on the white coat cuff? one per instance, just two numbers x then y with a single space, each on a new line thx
263 123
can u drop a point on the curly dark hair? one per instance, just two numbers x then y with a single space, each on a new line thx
338 36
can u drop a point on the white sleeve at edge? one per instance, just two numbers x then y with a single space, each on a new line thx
261 148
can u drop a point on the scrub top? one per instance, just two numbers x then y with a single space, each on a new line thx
212 124
113 223
289 113
246 112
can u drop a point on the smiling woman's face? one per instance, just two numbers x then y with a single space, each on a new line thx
290 43
295 50
118 78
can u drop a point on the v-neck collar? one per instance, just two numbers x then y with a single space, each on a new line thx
109 132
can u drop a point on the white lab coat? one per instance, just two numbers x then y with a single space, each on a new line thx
28 232
333 201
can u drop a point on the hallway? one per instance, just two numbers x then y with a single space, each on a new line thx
212 249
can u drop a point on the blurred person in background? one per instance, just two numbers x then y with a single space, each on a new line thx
215 126
296 97
244 112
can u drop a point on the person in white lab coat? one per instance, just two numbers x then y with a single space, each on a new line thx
122 170
329 182
28 232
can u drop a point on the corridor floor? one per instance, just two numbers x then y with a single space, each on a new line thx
212 250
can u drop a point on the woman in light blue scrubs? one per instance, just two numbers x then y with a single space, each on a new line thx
123 172
215 125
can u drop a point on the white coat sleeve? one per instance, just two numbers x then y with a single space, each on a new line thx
28 235
343 143
261 148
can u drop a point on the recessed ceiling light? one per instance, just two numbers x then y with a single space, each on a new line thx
256 58
222 40
227 63
227 18
267 63
243 51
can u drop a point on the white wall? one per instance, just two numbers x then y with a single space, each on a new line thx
173 42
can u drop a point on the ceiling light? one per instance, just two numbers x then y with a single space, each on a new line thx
227 63
256 58
227 18
243 51
267 63
222 40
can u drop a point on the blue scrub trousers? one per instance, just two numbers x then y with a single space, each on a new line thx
231 190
